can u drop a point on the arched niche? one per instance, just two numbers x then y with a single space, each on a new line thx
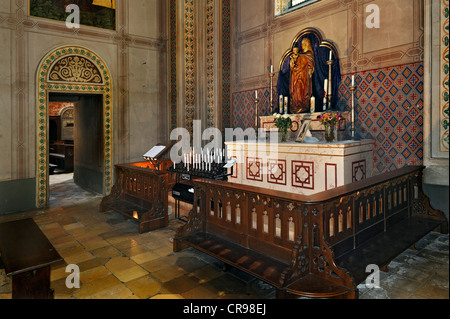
321 49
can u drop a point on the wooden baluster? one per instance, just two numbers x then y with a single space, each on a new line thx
361 213
341 221
228 212
291 228
265 222
349 218
331 225
278 226
238 214
254 219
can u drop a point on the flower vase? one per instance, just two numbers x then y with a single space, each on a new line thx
283 136
329 132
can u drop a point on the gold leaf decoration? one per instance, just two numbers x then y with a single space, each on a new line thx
75 69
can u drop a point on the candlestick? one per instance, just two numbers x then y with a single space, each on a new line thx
271 75
256 115
325 93
353 120
330 64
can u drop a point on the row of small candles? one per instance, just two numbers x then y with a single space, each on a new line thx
203 160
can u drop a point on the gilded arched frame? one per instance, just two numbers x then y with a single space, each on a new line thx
71 69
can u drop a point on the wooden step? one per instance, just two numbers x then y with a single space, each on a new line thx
314 286
249 261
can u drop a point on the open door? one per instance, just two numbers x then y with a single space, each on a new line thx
88 136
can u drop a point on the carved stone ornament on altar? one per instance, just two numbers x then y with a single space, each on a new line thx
309 75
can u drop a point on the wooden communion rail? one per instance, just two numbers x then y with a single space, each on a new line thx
317 245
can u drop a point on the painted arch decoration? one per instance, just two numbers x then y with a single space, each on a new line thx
71 69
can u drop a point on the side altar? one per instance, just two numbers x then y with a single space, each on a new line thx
300 168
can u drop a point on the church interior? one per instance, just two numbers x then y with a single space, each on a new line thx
138 161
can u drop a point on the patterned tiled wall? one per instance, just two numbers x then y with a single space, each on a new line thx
389 110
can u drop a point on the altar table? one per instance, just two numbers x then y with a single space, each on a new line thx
301 168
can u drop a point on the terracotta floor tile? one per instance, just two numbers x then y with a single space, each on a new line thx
145 287
168 273
94 273
180 285
130 274
96 286
144 257
120 263
116 292
108 251
203 292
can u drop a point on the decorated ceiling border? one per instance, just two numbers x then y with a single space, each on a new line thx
45 87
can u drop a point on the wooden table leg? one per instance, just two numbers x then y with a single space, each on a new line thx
34 284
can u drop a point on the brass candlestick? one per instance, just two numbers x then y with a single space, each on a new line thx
353 120
271 75
330 64
256 115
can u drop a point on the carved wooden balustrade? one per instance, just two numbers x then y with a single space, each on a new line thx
307 245
140 192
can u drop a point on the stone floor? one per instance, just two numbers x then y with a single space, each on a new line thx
118 263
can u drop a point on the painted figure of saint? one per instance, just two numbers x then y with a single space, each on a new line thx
300 84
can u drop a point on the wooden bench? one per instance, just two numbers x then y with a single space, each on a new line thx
140 192
314 246
27 256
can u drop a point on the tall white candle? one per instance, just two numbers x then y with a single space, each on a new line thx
271 69
256 94
313 104
331 55
353 80
325 86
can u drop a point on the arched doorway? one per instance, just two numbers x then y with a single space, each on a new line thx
71 69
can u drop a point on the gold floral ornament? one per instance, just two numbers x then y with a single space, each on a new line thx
75 69
282 122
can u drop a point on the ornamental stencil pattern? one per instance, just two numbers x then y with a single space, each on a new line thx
173 65
210 63
445 76
189 46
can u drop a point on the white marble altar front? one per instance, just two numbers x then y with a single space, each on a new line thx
302 168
